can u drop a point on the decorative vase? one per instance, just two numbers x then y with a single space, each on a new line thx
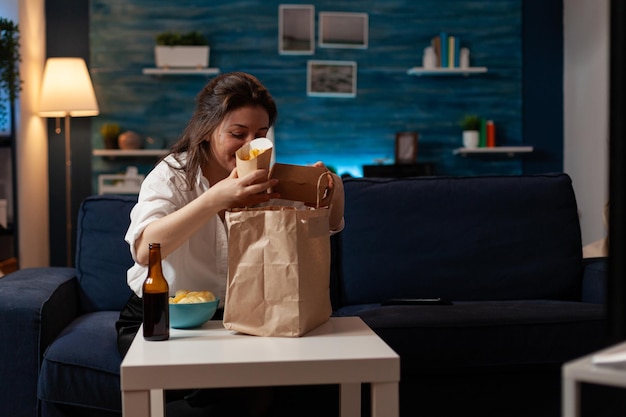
429 60
129 140
465 58
470 139
181 56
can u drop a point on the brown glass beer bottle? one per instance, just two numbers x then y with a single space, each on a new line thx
156 309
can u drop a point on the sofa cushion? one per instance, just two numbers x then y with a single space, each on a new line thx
82 366
102 255
486 334
460 238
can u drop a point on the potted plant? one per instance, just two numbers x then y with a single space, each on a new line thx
110 132
10 82
181 50
471 130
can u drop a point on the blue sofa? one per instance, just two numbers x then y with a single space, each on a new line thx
506 251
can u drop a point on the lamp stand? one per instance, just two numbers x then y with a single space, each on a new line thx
67 91
68 191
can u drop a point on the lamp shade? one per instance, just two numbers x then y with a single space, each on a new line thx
67 89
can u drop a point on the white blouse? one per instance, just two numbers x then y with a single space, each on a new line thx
201 263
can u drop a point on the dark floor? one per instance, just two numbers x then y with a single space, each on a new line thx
525 401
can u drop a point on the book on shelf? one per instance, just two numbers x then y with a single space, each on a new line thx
444 49
436 44
482 142
454 52
487 134
447 50
451 42
491 133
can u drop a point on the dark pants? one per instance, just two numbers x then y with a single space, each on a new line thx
128 323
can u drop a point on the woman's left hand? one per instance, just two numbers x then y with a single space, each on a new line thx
320 164
337 203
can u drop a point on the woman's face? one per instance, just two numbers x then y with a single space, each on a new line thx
238 128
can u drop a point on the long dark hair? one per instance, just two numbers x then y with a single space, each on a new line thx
222 95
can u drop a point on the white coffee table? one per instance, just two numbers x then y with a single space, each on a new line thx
342 351
605 367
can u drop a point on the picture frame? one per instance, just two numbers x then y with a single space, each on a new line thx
406 147
331 78
296 29
343 30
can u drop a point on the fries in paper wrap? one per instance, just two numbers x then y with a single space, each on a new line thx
254 155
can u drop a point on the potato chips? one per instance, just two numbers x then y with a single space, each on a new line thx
191 297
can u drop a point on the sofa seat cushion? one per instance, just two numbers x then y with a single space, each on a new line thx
485 334
82 366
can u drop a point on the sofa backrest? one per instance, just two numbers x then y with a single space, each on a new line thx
461 238
102 255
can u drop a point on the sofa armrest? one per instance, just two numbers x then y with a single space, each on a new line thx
595 271
35 305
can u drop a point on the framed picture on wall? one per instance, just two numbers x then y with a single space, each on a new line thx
331 78
406 147
343 30
296 29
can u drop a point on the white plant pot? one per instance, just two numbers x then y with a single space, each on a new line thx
470 138
181 56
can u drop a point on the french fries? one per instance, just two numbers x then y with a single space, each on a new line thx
253 154
191 297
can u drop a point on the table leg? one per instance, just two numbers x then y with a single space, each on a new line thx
350 400
571 398
136 403
385 399
157 400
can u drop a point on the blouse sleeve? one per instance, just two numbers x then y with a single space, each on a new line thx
159 196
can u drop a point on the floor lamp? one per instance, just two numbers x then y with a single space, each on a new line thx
67 91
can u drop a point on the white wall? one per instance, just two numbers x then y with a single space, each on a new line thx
32 152
586 109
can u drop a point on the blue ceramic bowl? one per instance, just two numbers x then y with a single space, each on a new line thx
187 316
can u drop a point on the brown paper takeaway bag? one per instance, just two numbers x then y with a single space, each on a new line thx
278 270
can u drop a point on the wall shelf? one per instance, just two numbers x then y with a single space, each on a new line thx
446 71
129 183
181 71
497 150
130 152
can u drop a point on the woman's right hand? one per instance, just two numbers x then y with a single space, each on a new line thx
175 228
247 191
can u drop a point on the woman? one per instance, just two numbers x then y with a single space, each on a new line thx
182 201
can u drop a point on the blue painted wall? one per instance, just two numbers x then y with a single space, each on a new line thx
343 132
